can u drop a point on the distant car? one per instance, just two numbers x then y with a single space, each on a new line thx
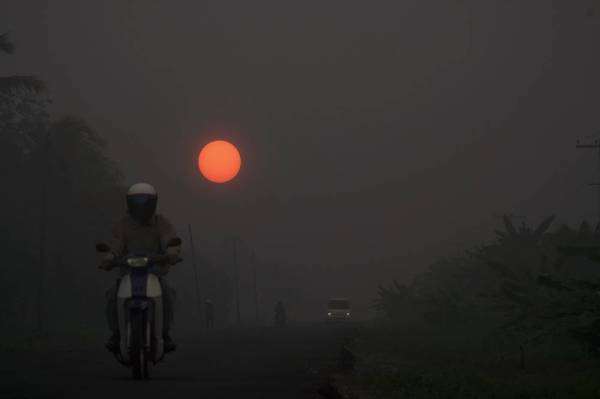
338 309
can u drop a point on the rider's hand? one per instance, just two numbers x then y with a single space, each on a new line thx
172 259
105 265
107 262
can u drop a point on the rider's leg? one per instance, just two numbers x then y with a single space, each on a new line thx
111 309
168 304
168 301
112 318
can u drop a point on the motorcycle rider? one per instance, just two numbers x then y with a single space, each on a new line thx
209 313
280 313
142 230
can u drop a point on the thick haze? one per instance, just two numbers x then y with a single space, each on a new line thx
374 133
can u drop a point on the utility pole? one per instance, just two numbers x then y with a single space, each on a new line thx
236 278
194 265
254 281
597 185
593 145
42 243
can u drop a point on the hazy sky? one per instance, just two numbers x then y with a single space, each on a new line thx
371 131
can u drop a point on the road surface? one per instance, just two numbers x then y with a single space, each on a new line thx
268 362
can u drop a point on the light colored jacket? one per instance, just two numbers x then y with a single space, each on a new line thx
130 236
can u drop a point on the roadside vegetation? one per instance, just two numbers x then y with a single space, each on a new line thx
519 317
59 188
62 193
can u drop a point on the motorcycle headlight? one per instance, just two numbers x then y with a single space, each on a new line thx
137 262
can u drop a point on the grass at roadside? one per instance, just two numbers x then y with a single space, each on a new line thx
402 362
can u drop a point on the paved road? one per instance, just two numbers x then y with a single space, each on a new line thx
228 363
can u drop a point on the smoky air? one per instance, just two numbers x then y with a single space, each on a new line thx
299 199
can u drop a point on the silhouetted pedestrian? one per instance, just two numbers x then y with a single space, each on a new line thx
280 316
209 313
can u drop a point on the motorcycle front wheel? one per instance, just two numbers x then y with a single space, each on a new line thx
138 358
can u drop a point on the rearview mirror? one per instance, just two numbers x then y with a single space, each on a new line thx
102 247
174 242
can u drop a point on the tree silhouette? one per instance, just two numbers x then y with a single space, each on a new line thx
538 282
17 82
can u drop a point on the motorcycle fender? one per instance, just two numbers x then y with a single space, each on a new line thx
124 295
153 289
124 287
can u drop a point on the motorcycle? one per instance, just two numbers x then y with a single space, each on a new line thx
280 318
140 310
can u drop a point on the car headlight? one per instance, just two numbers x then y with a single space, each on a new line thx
328 313
137 262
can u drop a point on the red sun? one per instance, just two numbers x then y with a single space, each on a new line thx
219 161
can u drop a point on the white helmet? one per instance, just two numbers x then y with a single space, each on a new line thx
141 188
141 201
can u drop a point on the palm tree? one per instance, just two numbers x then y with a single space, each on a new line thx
17 82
